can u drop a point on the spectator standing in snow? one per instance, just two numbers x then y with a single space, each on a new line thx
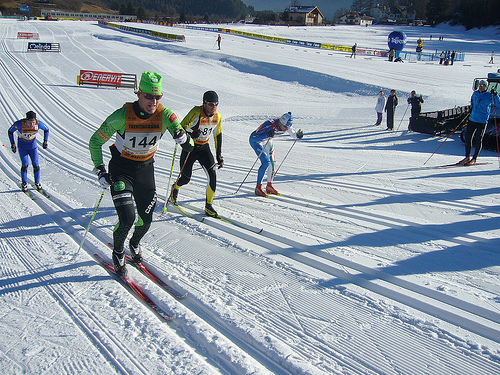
416 105
353 49
379 108
452 57
138 127
392 54
261 141
27 129
491 59
390 108
442 56
202 123
481 103
219 38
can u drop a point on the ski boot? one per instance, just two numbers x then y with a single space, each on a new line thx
136 252
174 196
38 186
209 210
464 161
270 189
259 191
120 264
24 186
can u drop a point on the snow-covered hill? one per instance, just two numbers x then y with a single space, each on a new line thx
370 263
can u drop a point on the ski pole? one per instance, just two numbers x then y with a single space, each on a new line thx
276 172
496 136
447 137
91 219
258 157
406 110
495 122
170 176
177 180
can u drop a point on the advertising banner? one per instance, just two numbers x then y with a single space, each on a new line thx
106 78
39 46
21 35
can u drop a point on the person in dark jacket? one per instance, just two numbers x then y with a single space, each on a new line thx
416 105
390 108
353 49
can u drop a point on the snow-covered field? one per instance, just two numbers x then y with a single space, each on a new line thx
371 262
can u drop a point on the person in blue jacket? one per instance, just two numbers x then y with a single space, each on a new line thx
481 103
27 129
261 141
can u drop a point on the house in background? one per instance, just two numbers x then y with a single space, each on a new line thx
401 15
304 15
356 18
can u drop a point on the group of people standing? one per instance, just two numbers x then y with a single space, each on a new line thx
482 101
447 57
392 102
388 106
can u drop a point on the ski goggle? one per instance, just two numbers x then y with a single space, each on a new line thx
152 96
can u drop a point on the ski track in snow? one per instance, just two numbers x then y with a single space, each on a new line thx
276 293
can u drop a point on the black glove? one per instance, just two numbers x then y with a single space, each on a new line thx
13 147
183 138
220 161
45 144
103 177
195 133
299 134
271 133
493 92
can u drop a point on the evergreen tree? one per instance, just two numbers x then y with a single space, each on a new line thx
130 8
141 13
436 11
478 13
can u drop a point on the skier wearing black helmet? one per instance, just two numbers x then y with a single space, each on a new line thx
202 123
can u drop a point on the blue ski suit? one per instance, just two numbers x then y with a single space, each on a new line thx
264 148
26 143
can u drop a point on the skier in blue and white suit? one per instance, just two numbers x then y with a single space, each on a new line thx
261 141
480 103
28 148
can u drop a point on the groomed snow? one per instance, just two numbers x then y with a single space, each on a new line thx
371 262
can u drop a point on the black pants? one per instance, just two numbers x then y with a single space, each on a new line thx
390 119
132 183
205 157
474 137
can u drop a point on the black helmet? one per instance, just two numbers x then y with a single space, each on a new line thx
210 96
30 115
